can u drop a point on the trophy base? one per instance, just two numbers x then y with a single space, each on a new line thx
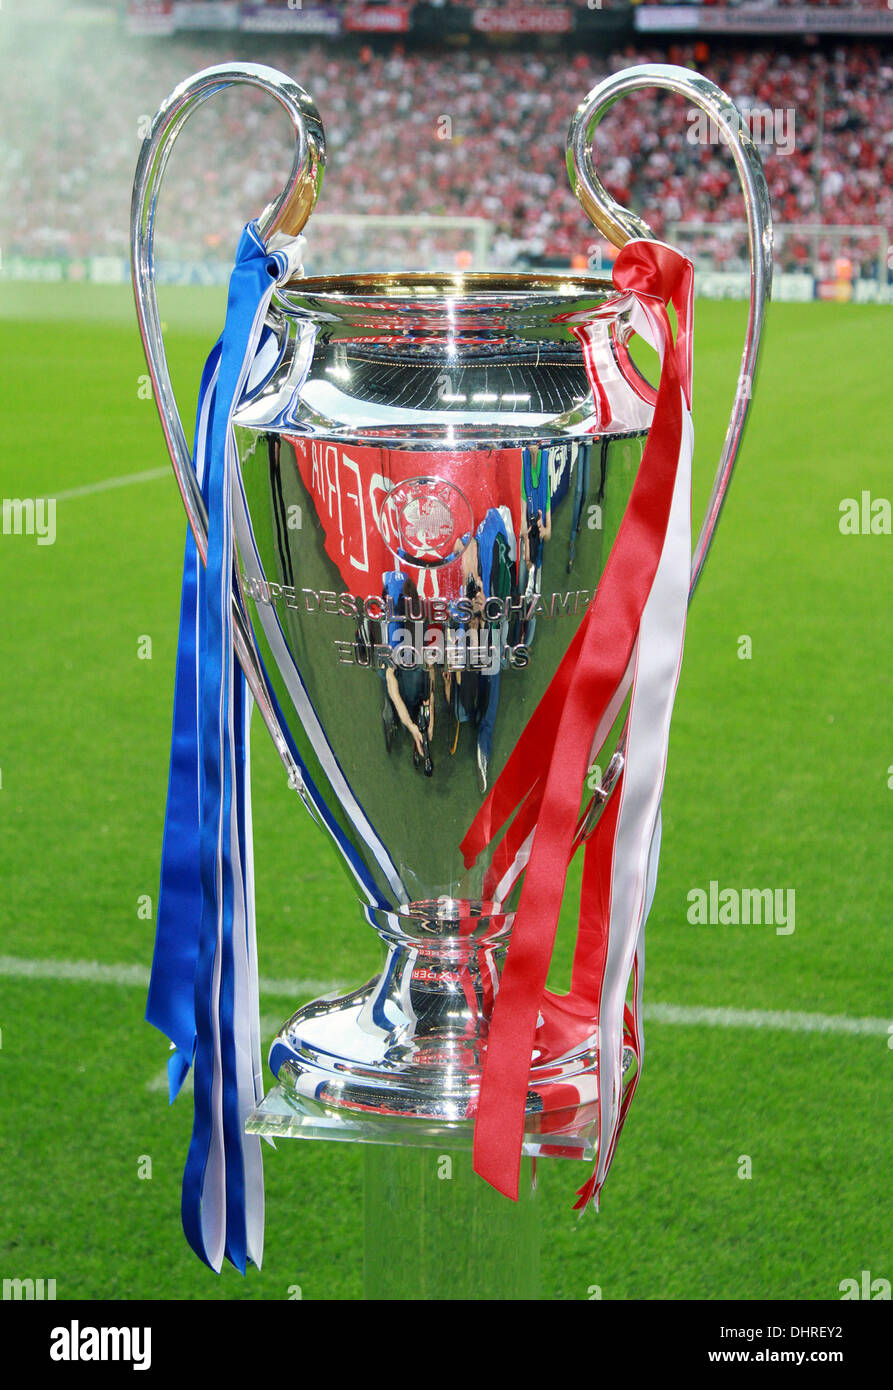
352 1068
284 1114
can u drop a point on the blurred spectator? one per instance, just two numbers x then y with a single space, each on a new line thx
459 132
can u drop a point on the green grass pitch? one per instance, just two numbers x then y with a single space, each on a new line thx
779 775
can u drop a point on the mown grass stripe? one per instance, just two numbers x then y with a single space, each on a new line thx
784 1020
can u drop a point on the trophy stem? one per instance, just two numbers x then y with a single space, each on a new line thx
434 1231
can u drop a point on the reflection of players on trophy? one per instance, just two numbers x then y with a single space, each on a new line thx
410 699
472 690
462 687
537 526
409 686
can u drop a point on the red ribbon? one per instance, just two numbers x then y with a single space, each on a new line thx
549 762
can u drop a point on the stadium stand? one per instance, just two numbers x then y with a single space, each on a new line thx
66 163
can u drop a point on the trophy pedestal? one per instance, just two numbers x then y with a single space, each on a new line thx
434 1231
396 1066
355 1069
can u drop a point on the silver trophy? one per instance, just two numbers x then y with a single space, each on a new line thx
431 490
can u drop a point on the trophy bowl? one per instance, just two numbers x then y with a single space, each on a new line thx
431 486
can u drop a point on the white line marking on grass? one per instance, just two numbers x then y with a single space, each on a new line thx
161 1084
92 973
88 972
292 988
783 1020
149 475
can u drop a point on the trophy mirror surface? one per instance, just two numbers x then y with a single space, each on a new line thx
432 489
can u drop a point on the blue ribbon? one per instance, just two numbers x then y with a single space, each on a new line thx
203 880
171 1002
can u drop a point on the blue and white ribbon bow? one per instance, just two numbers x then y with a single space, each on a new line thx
203 993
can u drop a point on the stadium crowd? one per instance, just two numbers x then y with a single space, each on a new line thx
617 4
465 132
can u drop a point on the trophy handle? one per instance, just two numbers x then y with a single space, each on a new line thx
619 226
287 215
